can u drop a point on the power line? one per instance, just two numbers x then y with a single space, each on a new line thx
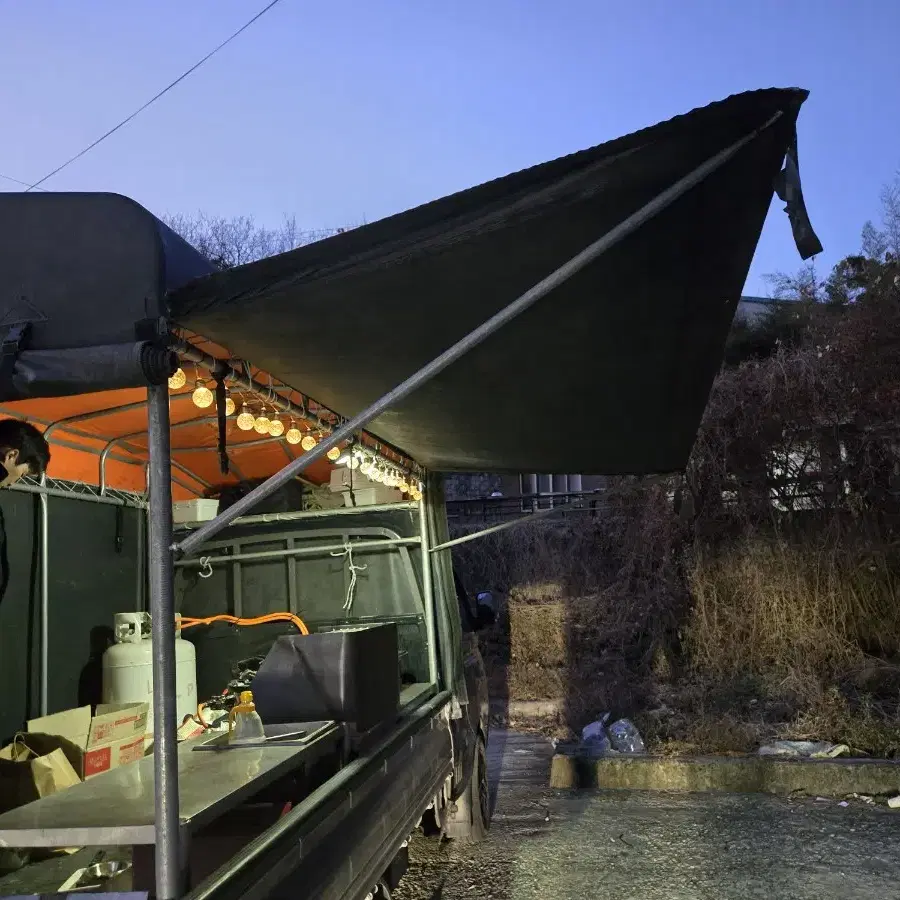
151 101
17 181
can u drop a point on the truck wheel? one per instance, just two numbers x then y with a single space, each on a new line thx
470 821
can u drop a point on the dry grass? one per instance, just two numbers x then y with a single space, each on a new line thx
790 612
776 639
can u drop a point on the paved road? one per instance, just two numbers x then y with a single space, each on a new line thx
567 846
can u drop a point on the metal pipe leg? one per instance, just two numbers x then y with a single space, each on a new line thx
428 592
162 612
45 604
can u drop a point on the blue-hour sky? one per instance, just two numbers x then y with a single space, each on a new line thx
343 112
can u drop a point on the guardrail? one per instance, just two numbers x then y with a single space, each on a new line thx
499 509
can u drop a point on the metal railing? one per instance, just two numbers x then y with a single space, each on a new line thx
499 509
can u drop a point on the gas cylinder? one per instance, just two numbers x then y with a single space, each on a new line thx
128 667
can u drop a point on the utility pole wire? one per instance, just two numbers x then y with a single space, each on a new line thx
17 181
151 101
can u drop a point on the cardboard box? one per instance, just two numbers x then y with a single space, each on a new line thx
111 738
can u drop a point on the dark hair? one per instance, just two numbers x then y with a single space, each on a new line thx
31 444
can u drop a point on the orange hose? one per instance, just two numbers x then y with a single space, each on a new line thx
188 622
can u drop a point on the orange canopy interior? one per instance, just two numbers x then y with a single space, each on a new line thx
84 429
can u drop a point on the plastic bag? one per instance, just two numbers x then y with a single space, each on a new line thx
625 738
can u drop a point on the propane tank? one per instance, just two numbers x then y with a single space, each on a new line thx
128 667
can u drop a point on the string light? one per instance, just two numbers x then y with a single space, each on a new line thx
246 420
370 463
261 425
202 396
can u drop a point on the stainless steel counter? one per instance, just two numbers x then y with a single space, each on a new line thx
117 807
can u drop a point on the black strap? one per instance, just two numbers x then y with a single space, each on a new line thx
787 186
220 415
15 340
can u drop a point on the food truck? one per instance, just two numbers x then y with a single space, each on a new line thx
264 446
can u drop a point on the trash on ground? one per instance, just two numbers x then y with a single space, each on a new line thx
805 749
894 803
594 739
864 798
625 738
844 804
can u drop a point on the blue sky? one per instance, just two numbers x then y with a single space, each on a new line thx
345 112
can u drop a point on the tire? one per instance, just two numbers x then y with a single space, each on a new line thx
470 821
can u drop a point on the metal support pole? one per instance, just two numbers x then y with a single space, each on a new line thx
293 552
162 612
45 604
141 553
473 339
428 593
519 520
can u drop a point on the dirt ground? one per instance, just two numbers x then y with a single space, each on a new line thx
567 846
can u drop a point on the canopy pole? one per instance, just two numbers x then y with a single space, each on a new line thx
471 340
162 613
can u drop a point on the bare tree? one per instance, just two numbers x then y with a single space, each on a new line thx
878 242
240 240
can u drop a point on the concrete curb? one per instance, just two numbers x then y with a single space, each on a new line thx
740 775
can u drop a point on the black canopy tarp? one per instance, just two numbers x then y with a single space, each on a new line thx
608 374
85 274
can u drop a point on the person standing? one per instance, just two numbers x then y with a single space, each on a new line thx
23 451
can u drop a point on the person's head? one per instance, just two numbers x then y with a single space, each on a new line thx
23 451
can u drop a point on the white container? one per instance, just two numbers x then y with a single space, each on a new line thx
189 512
364 492
128 668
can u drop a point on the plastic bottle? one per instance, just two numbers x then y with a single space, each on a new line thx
244 724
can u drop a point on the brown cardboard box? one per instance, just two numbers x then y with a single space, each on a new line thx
111 738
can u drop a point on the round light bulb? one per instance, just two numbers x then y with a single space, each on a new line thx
246 420
261 425
202 396
403 485
276 428
366 466
177 379
308 442
229 406
294 435
334 453
353 462
377 476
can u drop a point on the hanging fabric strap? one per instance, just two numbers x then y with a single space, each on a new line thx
787 186
224 467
